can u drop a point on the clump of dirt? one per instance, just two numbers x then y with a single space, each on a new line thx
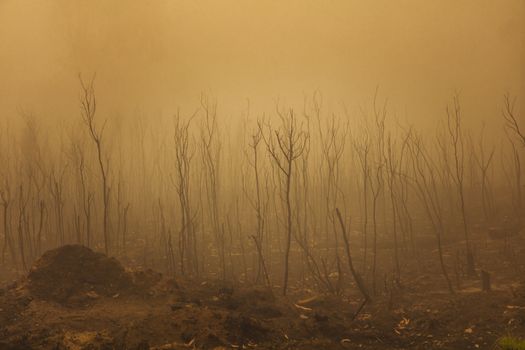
243 329
73 274
86 340
253 301
261 302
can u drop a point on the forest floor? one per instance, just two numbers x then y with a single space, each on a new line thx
76 299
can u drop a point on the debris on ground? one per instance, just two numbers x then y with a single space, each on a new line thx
74 298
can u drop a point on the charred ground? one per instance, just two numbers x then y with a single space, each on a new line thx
74 298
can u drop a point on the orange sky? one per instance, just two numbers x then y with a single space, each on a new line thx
152 56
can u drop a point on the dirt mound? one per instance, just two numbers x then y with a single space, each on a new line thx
149 282
259 302
73 273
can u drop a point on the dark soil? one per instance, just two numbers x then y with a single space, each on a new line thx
73 273
74 298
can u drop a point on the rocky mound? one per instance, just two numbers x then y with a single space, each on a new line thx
72 273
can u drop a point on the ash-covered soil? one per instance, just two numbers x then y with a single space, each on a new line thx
74 273
74 298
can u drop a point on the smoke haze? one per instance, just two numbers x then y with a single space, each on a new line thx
152 57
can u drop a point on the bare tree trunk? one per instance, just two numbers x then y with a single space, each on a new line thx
375 195
357 278
456 137
88 104
425 182
286 146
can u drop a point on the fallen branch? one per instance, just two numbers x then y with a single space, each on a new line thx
357 278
